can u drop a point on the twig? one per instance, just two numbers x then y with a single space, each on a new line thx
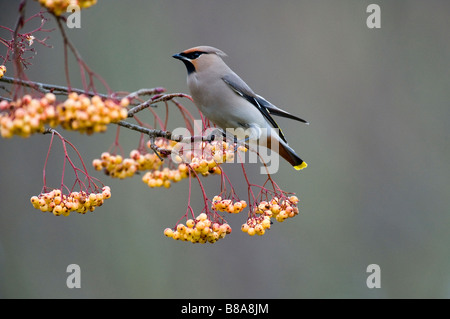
83 66
155 99
151 132
157 90
49 88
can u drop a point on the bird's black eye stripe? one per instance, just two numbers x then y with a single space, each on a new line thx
192 55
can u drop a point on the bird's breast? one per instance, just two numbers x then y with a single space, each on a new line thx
221 105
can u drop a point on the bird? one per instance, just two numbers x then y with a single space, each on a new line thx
228 102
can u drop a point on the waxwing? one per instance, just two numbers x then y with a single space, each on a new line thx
227 101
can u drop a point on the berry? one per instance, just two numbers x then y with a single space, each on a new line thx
2 70
168 232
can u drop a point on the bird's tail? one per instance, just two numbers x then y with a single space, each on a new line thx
289 155
286 152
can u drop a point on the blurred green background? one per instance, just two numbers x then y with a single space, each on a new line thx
375 192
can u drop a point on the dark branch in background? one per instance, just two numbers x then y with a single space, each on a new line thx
19 25
83 66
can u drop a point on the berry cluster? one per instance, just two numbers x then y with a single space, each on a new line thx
89 115
200 230
205 157
59 7
166 176
256 225
118 167
204 166
28 115
280 209
157 177
2 70
227 205
61 204
202 158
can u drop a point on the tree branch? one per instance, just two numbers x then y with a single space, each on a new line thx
48 88
153 100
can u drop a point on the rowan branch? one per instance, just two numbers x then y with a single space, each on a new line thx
156 98
48 88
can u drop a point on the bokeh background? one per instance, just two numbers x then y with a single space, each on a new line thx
375 192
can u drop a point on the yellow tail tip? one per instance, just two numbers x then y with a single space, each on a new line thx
301 166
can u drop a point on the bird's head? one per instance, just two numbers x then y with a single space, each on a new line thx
199 58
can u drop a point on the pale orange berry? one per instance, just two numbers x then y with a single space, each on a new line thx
293 199
215 227
230 209
224 228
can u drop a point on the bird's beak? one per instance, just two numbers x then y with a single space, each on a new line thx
179 57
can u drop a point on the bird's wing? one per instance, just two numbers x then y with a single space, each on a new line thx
264 106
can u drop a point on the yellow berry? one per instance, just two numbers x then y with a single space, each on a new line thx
259 229
190 223
176 235
245 228
266 223
168 232
275 209
197 233
237 207
35 201
181 228
57 210
200 225
92 197
206 230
